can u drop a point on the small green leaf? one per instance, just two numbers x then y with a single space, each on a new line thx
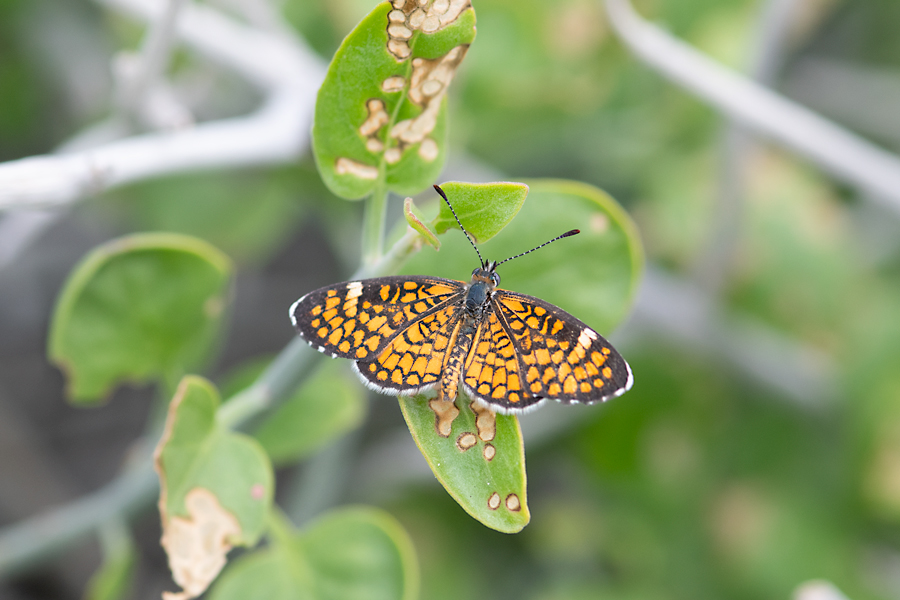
484 208
215 486
113 579
141 308
328 404
477 456
349 554
381 113
270 574
417 221
593 275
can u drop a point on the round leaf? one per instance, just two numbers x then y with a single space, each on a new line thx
361 552
477 456
593 275
349 554
140 308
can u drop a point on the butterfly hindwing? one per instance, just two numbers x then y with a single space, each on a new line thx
560 357
416 357
492 372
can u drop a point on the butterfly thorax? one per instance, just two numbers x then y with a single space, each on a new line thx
479 293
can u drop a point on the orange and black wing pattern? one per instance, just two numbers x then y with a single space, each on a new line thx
559 357
492 372
398 329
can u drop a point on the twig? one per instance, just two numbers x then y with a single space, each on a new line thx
277 133
142 94
738 145
845 155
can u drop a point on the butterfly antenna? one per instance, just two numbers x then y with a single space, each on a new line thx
559 237
468 236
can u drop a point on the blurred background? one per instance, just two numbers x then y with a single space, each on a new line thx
759 451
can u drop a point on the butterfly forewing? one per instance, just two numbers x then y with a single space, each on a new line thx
559 357
360 319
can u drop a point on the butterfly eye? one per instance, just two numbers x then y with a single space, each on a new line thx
475 271
495 277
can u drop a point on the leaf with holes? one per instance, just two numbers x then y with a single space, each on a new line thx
381 115
215 487
140 308
347 554
478 457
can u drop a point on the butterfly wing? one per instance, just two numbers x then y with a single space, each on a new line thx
560 358
492 371
372 320
415 358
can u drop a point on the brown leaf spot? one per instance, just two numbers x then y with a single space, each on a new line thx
466 441
489 452
485 421
494 501
197 545
345 166
513 503
444 414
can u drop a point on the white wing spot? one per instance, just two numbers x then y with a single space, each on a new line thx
587 336
354 289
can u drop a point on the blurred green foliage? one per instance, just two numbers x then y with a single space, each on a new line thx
701 482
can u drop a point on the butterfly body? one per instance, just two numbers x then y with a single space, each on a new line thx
509 351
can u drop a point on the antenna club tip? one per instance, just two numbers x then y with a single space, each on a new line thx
572 232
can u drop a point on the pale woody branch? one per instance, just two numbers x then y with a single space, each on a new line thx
839 152
278 132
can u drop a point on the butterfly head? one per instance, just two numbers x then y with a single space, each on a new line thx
487 274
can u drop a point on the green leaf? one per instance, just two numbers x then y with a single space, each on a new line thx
113 579
381 111
484 208
328 404
141 308
415 220
477 456
593 275
216 486
349 554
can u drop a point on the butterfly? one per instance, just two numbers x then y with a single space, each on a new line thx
510 352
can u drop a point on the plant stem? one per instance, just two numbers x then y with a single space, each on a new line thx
373 222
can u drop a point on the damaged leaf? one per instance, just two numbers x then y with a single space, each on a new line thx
141 308
215 488
477 455
381 112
